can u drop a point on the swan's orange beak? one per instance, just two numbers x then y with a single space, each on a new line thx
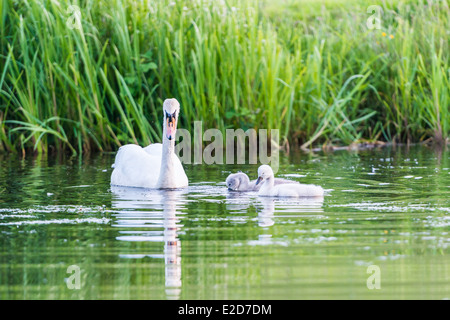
171 126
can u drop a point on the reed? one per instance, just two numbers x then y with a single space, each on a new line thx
314 72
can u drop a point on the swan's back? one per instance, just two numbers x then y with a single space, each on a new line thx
135 166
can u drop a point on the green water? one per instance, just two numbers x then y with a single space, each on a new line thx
389 208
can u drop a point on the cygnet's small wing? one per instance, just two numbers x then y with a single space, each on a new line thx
279 181
306 190
294 190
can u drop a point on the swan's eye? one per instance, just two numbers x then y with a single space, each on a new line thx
171 117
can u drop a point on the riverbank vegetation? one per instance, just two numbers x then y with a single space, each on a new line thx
96 80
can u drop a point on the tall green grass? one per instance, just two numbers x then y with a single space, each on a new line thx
314 72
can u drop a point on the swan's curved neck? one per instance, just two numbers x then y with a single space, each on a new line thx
166 178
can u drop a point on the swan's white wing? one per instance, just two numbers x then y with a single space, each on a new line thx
154 149
137 167
140 167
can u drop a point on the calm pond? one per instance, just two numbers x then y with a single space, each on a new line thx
387 208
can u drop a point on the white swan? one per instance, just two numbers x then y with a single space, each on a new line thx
155 166
268 189
241 182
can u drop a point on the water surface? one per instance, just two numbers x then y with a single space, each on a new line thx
385 207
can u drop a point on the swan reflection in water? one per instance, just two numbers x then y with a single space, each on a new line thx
153 209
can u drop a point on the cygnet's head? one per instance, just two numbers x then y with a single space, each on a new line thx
264 172
235 180
171 109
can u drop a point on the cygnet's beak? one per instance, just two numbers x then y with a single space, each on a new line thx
230 186
259 180
171 125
